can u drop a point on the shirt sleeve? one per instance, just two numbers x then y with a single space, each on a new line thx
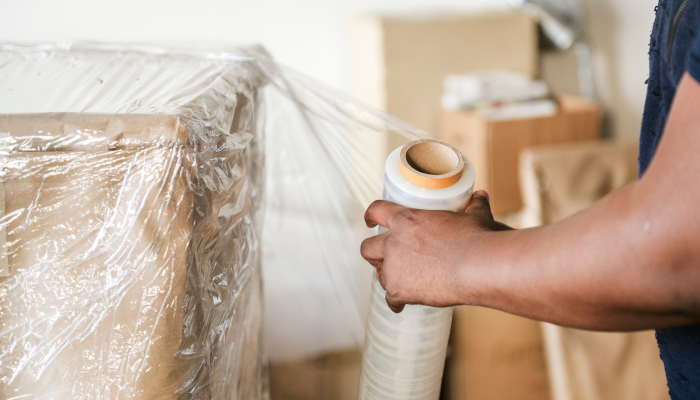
694 58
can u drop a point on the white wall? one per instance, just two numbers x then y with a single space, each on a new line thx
309 35
619 31
312 35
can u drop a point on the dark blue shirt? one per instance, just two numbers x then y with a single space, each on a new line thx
673 49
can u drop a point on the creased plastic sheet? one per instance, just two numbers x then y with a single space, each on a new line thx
144 187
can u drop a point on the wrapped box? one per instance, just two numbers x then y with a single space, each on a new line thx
132 192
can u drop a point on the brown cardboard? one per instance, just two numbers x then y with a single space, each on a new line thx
70 190
132 129
431 164
399 62
64 197
494 146
560 69
333 376
494 356
4 270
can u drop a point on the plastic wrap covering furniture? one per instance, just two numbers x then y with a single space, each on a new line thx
588 365
131 219
132 195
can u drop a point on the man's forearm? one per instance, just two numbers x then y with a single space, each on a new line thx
632 261
624 264
594 270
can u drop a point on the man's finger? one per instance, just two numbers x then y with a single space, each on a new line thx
372 250
381 212
500 226
479 202
395 306
380 278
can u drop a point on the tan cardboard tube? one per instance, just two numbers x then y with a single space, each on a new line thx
431 163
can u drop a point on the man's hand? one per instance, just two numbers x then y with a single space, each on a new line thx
417 259
631 261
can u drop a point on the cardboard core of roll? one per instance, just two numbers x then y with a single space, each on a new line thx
431 164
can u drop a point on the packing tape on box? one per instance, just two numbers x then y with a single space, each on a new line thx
404 353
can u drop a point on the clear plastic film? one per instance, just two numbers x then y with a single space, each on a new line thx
404 353
144 193
132 212
325 158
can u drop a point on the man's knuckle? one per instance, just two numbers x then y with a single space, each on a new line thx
364 246
394 299
389 241
388 286
392 288
375 206
407 215
482 201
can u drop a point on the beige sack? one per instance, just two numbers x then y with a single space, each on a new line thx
558 181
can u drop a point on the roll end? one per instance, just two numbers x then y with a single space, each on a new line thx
431 163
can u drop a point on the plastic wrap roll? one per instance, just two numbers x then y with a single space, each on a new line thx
404 353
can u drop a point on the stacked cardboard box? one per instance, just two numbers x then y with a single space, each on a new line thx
494 355
399 63
495 146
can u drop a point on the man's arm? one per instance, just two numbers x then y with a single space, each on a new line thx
632 261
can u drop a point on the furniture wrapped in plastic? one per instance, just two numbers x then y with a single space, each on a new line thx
135 182
131 183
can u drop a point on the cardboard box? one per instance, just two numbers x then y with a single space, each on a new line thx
328 376
494 146
561 70
494 356
102 242
61 202
399 63
129 180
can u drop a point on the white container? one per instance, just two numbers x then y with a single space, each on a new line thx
404 353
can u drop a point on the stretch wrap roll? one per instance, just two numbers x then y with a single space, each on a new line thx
404 353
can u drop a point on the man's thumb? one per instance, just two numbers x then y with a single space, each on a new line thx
479 202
